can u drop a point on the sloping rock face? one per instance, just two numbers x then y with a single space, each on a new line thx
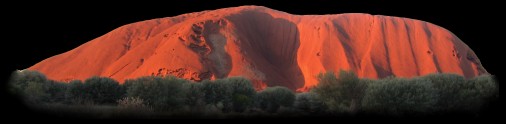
267 46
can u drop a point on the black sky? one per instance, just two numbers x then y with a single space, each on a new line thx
38 30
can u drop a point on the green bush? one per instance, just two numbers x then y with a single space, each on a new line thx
218 93
458 94
309 102
400 96
35 92
102 90
230 94
343 94
20 79
163 93
211 93
303 101
486 86
194 96
134 104
34 87
242 93
271 98
56 91
488 89
451 89
95 90
75 92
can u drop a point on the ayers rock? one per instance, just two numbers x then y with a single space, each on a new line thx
269 47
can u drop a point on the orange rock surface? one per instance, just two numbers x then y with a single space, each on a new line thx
267 46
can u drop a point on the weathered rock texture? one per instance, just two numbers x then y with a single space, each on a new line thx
268 46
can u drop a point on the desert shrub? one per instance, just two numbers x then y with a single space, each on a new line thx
488 89
400 96
458 94
194 98
210 94
229 94
271 98
102 90
309 102
335 94
242 93
95 90
35 92
34 87
127 84
343 94
486 86
303 101
163 93
20 79
75 92
451 89
56 91
133 104
224 95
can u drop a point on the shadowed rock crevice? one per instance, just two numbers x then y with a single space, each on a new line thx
274 42
207 40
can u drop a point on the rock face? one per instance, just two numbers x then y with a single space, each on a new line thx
267 46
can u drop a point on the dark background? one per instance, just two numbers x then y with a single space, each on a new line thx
33 31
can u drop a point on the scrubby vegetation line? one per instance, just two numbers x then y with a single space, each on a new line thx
336 94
